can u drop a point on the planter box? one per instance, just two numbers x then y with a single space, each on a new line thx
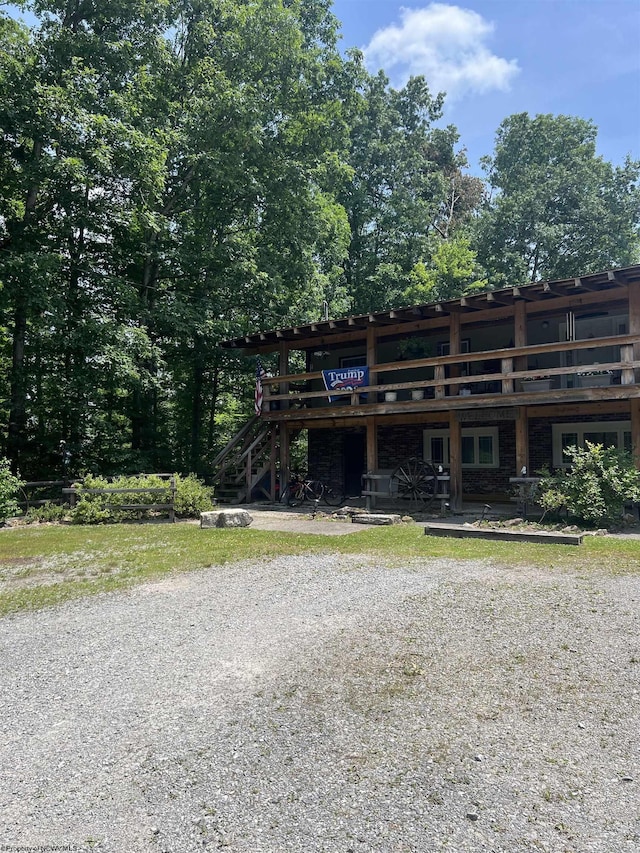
597 381
536 385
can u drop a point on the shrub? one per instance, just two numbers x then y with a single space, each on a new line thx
9 485
46 512
596 487
191 498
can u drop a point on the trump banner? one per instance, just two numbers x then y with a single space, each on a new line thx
345 379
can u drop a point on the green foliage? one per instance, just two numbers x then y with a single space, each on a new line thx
596 487
453 273
558 208
191 498
9 485
49 512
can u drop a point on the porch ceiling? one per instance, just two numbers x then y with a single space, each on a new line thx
266 341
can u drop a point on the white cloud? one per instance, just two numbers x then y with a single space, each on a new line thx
446 44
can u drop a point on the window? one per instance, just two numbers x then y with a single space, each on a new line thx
445 348
480 447
353 361
608 433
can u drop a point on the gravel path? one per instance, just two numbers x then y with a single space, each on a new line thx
329 704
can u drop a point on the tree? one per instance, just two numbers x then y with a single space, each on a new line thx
453 272
396 193
167 179
557 209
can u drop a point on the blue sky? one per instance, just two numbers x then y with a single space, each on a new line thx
498 57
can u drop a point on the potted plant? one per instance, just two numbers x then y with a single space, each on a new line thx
412 348
538 382
595 378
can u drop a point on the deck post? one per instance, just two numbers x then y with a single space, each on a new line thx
634 328
455 462
372 357
283 370
372 452
522 440
454 349
285 473
520 332
635 430
273 451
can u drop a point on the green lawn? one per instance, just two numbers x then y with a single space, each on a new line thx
48 564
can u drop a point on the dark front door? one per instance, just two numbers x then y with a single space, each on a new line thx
354 462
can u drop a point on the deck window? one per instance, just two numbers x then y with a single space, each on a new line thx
608 433
479 447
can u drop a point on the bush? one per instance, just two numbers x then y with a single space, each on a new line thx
9 485
46 512
595 489
191 498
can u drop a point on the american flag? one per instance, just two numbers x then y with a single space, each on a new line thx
259 396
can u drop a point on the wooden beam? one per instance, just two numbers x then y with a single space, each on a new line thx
522 442
634 319
635 431
499 298
455 462
551 291
372 444
582 284
527 295
285 469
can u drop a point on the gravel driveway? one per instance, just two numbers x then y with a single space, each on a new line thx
327 703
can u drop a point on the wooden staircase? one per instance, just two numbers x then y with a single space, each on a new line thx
241 466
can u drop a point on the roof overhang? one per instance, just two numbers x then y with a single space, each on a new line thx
487 300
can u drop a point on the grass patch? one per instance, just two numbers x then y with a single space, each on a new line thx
46 566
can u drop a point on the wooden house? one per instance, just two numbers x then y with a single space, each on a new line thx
485 386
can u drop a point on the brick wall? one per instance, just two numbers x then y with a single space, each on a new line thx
399 443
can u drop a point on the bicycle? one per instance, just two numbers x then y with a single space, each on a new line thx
302 489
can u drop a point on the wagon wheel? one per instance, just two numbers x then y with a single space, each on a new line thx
415 480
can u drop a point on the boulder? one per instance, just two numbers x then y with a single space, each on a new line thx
225 518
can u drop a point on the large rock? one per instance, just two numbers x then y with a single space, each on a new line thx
225 518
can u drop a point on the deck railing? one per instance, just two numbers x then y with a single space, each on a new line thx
293 389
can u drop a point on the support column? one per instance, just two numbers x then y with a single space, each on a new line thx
634 323
283 370
454 349
520 332
522 441
372 444
285 473
455 462
273 452
371 462
634 329
372 358
635 431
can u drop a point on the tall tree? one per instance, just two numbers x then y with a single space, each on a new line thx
398 187
557 207
166 180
